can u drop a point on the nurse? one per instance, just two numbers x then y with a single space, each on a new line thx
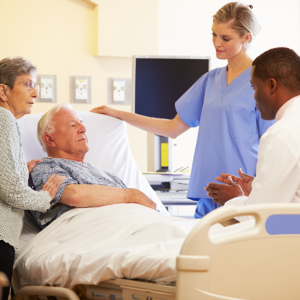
221 103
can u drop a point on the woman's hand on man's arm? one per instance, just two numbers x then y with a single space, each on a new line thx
31 164
53 184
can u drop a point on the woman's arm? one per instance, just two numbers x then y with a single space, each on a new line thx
13 180
170 128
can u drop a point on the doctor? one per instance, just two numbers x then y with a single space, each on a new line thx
275 78
221 103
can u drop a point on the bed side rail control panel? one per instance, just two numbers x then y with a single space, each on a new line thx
126 293
100 293
130 293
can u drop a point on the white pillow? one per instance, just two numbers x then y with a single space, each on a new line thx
109 149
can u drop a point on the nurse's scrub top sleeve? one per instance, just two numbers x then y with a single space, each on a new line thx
229 127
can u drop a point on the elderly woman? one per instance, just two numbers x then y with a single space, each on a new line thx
18 90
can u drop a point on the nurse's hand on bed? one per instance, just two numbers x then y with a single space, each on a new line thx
221 193
31 164
245 181
53 184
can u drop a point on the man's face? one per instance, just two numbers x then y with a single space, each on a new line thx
263 97
69 135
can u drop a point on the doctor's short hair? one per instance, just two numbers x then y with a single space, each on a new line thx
45 124
282 64
11 68
240 17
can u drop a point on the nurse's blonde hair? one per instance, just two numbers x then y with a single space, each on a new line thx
240 17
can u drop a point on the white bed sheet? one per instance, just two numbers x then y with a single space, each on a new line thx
89 245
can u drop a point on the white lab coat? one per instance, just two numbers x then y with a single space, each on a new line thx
278 168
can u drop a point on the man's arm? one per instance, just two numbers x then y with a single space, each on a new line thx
278 172
86 195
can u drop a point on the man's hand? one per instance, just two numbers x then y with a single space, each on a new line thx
105 110
245 182
136 196
221 193
31 164
53 184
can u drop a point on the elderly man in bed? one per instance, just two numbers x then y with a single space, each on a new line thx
63 136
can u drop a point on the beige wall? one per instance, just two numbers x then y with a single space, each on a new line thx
58 36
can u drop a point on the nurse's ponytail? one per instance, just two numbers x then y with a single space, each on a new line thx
240 17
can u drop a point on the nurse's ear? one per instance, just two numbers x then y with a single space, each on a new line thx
247 38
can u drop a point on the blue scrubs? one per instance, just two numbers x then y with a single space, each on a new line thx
230 127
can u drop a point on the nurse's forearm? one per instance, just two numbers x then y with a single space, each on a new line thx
170 128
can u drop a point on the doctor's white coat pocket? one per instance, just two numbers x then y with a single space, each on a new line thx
242 123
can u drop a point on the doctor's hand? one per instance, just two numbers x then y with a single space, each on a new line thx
53 184
105 110
245 182
31 164
221 193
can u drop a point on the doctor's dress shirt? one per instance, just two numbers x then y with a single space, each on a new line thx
278 168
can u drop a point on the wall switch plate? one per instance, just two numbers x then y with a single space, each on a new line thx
80 89
47 85
119 91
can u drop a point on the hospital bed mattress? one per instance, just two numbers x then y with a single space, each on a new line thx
91 245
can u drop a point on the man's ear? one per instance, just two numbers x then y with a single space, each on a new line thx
272 85
4 92
48 140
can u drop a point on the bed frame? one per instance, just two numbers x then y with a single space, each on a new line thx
261 263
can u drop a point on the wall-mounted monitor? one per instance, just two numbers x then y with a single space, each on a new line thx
159 81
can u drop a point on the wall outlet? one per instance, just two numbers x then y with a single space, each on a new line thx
80 89
47 85
119 91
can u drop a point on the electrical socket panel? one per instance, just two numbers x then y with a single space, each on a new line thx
80 89
47 91
119 91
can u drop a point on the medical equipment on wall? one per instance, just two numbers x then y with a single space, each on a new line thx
157 83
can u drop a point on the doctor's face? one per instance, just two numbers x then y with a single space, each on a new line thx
264 101
227 42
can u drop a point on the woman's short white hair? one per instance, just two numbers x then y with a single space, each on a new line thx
45 125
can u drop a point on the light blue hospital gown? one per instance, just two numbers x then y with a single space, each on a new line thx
230 127
76 173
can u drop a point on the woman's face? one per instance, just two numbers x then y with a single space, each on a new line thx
20 99
228 43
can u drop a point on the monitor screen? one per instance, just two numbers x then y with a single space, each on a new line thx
158 82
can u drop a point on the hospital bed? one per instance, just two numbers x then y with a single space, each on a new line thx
257 259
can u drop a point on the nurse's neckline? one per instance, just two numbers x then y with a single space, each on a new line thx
226 73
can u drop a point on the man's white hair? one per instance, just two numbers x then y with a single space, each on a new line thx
45 125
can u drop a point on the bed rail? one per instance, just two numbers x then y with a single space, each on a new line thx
46 291
261 263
